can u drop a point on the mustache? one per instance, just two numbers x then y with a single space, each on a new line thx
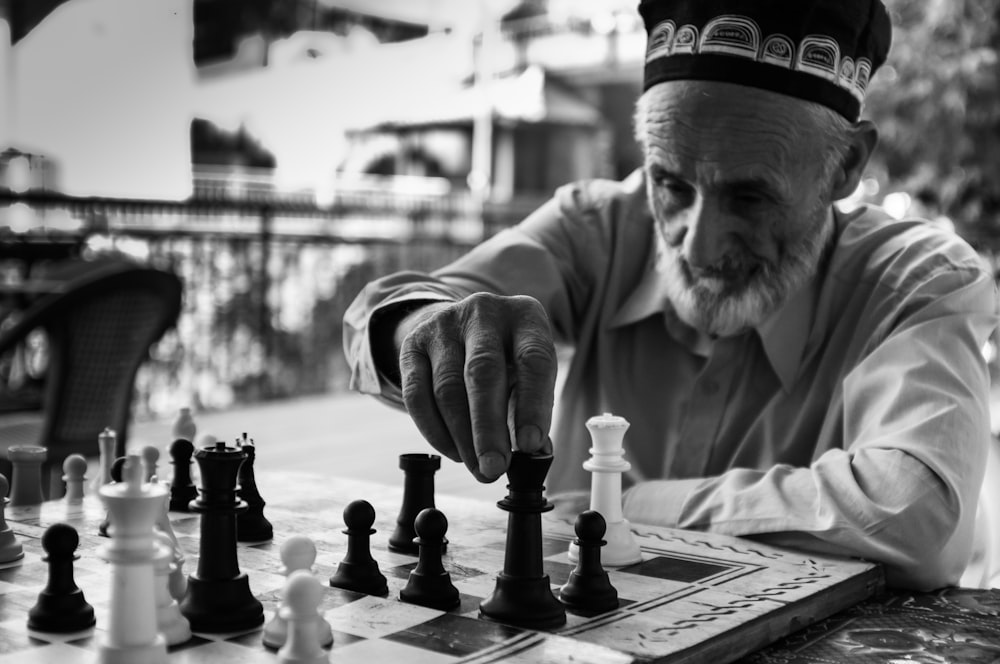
730 268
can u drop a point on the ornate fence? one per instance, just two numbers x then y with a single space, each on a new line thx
267 279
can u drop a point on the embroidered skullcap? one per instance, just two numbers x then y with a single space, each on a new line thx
819 50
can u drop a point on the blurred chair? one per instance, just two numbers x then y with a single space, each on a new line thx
99 327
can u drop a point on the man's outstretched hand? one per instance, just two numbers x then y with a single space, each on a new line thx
475 373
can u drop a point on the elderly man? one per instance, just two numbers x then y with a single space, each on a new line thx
790 372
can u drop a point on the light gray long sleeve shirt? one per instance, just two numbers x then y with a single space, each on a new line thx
854 420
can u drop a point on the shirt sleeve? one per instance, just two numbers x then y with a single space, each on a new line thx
553 256
903 488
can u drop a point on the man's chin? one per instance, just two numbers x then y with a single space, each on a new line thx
725 317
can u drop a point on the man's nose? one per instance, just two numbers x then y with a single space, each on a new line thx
708 237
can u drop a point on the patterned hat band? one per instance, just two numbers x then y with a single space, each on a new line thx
734 49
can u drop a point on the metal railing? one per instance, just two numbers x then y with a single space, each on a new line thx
267 276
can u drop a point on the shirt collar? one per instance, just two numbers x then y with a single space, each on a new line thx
783 334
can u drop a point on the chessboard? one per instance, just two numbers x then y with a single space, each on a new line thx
695 597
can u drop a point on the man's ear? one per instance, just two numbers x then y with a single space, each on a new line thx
863 139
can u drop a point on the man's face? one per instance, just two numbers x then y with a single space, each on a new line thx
735 184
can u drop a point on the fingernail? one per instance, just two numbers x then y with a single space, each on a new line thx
529 439
492 465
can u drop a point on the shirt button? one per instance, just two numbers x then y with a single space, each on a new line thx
710 387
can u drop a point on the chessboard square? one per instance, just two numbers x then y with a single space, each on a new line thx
50 653
373 617
400 571
221 652
558 572
639 589
30 571
477 586
383 650
552 546
455 635
675 569
15 606
14 637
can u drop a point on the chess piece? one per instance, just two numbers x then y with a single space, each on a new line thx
26 466
132 634
10 548
302 596
176 579
251 525
589 588
182 489
169 620
298 552
358 571
606 465
418 494
184 427
74 475
115 473
429 584
523 595
219 597
61 606
107 448
150 457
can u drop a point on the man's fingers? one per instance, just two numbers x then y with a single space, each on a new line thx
418 397
487 385
535 367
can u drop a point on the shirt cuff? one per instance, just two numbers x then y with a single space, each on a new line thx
370 379
658 502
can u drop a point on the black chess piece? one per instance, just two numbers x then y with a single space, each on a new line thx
219 599
182 489
61 606
523 595
588 588
418 494
429 584
116 476
251 525
358 571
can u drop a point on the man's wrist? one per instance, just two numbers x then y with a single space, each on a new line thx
387 329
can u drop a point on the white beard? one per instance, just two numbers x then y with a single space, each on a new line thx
713 306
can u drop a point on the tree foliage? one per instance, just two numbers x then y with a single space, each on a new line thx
937 105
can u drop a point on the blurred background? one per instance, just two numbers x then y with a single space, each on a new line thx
278 154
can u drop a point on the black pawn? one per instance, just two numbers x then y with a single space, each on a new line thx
182 489
588 588
358 571
429 584
61 606
251 525
116 476
418 494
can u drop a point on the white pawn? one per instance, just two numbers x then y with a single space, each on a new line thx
10 548
150 457
169 620
184 426
177 579
74 475
298 552
302 596
606 465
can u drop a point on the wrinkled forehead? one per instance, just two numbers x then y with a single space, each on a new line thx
727 124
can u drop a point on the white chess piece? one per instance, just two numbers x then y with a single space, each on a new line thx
107 441
184 426
75 477
302 596
298 552
606 465
169 620
177 583
150 457
132 634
